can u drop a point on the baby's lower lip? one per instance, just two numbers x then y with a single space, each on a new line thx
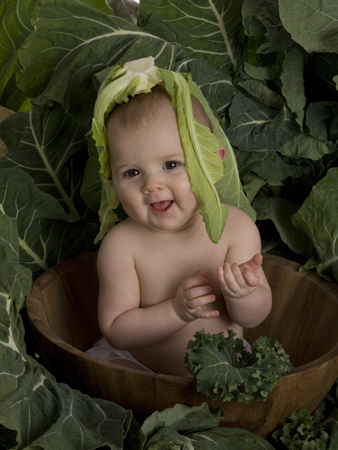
162 207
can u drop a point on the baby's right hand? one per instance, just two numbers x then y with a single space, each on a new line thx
191 296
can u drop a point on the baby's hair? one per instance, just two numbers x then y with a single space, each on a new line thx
148 106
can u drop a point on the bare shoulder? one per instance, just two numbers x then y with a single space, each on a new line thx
118 243
121 233
242 232
239 220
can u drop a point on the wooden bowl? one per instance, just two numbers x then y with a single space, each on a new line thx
62 308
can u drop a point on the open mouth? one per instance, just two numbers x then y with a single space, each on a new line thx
161 207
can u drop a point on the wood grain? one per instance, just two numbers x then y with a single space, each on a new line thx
62 307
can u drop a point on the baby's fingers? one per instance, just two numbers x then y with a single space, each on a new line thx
198 302
254 263
197 292
199 280
206 314
226 277
251 278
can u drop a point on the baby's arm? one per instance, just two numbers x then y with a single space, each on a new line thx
122 321
242 280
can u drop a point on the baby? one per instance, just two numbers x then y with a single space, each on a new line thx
161 277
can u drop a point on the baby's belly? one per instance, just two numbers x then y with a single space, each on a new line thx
167 356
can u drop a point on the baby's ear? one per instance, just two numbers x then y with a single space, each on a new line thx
221 153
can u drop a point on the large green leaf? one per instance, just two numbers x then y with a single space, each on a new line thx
48 147
261 18
304 145
182 418
126 9
292 78
46 237
280 211
312 23
164 54
255 126
15 27
261 92
268 165
72 42
195 428
320 118
44 414
207 29
317 217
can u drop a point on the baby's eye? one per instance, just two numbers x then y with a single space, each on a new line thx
171 164
131 173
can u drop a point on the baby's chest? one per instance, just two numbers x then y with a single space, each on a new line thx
161 273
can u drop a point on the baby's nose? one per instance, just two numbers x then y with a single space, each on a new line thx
152 183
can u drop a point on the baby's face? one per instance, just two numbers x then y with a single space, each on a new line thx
148 173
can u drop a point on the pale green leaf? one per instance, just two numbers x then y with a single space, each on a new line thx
200 146
229 187
313 23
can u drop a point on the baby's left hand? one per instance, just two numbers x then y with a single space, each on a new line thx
240 280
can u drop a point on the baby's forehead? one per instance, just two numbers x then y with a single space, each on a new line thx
143 108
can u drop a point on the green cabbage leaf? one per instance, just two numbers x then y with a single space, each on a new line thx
195 428
35 410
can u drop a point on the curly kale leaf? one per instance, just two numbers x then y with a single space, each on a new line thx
300 433
224 370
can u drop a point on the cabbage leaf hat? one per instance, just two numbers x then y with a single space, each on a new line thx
213 181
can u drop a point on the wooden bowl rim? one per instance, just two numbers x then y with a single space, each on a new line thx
47 278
